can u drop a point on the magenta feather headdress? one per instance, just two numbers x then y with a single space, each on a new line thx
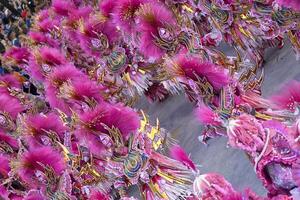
71 35
42 14
35 162
106 7
79 93
288 97
10 105
293 4
54 101
179 154
207 116
9 81
109 30
4 166
19 55
47 24
125 12
57 79
63 7
43 62
96 35
107 26
81 13
37 36
71 90
152 18
82 88
118 116
64 73
92 46
192 66
42 38
52 56
92 140
39 125
92 124
8 139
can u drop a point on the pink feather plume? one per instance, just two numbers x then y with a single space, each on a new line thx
10 105
8 139
125 12
190 66
107 7
4 166
19 54
44 61
288 97
151 17
179 154
118 116
207 116
47 24
9 81
56 79
36 160
38 125
62 7
123 118
42 38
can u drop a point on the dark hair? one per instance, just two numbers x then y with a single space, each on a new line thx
2 49
14 30
5 20
9 35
